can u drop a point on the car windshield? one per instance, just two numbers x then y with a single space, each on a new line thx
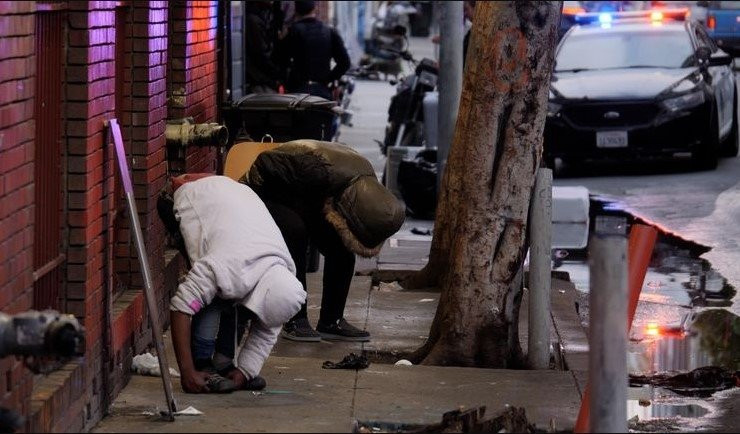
633 49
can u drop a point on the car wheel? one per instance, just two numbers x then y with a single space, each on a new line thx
729 146
707 156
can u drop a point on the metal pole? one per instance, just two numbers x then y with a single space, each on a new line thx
607 371
151 301
540 230
450 76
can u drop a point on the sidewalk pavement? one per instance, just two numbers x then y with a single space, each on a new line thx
301 396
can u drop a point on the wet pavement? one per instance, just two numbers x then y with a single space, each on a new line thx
682 323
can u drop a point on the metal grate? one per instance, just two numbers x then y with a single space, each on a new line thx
47 243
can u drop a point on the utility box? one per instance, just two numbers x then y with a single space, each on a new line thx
570 217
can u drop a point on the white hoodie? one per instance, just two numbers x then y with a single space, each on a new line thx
238 254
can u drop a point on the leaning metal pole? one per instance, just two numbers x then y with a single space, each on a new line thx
451 30
151 301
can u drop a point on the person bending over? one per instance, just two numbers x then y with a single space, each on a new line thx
328 194
239 259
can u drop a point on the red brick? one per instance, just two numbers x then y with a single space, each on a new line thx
16 46
85 164
19 177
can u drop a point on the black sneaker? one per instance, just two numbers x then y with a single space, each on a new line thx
300 330
256 383
341 330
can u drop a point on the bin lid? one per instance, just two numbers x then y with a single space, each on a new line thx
286 101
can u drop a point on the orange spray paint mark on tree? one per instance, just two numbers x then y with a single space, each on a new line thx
509 68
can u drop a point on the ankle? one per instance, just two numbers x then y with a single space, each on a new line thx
237 377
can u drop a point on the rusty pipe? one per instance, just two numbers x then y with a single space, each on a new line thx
184 133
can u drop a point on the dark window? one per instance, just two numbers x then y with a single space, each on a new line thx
47 243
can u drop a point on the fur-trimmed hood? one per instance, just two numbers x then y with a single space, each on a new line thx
331 178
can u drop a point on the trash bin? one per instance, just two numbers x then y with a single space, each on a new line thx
285 117
417 183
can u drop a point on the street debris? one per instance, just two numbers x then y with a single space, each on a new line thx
426 300
421 231
390 286
148 364
699 382
653 425
512 419
190 411
351 361
403 362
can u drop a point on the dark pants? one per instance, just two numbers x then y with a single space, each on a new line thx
339 262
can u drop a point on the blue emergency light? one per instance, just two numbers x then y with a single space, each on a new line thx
653 15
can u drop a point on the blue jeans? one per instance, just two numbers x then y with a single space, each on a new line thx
215 328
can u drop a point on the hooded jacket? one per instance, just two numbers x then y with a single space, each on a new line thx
332 181
238 254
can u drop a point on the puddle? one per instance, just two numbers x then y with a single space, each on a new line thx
654 402
680 324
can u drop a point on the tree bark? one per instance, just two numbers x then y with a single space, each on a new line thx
481 220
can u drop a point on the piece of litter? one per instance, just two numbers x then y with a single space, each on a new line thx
190 411
350 361
390 286
299 379
148 364
147 413
562 291
421 231
403 362
426 300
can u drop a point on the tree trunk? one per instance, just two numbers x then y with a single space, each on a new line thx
480 226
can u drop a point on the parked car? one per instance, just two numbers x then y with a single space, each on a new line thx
637 85
723 24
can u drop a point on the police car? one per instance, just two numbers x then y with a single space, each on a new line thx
640 84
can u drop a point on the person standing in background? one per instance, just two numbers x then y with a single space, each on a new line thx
262 74
307 51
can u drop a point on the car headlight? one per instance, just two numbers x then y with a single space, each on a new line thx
553 108
684 101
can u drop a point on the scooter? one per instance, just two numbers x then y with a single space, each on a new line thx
388 38
405 114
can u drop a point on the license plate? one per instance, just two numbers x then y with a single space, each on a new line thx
611 139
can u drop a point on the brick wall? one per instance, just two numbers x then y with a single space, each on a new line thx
17 71
143 120
90 101
192 79
97 248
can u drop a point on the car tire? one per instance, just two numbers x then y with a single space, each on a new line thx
707 156
729 146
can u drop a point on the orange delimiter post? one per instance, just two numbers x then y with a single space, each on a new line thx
640 249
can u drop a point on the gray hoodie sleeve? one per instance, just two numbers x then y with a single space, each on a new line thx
197 290
256 348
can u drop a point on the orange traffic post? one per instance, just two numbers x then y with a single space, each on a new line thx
640 250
